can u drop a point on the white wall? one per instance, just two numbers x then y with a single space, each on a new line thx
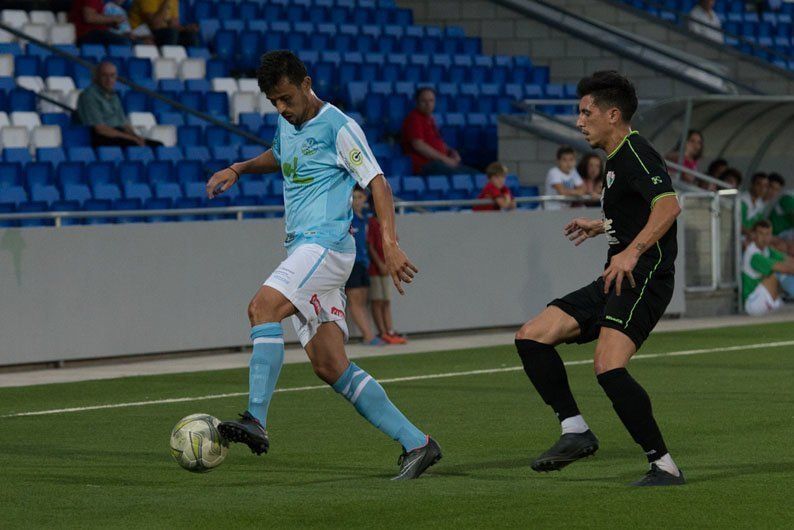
96 291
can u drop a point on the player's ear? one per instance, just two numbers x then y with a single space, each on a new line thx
614 115
306 84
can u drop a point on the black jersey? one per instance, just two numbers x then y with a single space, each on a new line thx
636 177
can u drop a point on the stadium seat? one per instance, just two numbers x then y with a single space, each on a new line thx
192 69
165 68
146 51
17 154
177 53
244 102
166 134
140 154
61 33
46 136
14 137
172 154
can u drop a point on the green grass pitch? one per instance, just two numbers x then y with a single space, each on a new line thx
726 416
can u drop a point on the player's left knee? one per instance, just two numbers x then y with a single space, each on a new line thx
329 372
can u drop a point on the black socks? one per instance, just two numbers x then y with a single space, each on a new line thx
544 368
633 406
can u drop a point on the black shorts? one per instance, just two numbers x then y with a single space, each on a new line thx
358 276
635 312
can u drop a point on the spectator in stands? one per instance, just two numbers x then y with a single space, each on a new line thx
162 17
142 34
591 169
92 26
704 21
775 187
752 201
693 150
563 179
732 177
357 285
99 107
380 284
496 190
422 141
717 168
762 269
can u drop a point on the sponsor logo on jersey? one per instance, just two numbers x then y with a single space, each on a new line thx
610 232
610 178
310 146
356 158
656 180
613 319
337 312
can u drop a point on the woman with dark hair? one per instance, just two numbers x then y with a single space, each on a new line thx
591 169
693 150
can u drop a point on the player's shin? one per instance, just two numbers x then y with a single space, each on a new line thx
633 406
370 400
264 368
545 369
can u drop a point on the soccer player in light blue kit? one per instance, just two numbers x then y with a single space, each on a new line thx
322 154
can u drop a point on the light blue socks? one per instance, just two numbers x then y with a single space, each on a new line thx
264 367
370 400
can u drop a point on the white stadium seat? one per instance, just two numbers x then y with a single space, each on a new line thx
16 18
62 34
142 119
6 65
164 133
14 137
165 69
6 36
46 106
243 102
225 84
72 97
31 82
178 53
37 31
62 83
25 119
193 68
62 17
146 51
43 17
265 106
46 136
4 121
248 84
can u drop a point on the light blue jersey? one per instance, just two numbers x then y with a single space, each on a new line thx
322 160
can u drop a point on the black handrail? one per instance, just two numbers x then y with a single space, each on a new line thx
138 88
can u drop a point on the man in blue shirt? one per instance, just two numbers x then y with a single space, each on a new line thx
322 154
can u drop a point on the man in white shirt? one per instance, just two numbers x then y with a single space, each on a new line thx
705 22
563 179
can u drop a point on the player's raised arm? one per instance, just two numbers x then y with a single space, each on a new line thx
581 229
398 265
227 177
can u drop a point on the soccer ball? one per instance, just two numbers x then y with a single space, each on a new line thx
196 444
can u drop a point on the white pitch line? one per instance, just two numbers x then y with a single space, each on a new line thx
762 345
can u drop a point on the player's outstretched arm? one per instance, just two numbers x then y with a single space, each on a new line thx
579 230
398 265
226 178
662 217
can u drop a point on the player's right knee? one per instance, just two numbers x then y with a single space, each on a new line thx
532 331
259 312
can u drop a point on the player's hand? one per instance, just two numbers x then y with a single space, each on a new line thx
399 266
581 229
620 267
220 182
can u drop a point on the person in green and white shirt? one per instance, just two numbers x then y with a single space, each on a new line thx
761 268
753 203
781 213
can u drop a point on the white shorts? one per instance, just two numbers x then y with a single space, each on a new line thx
313 279
760 302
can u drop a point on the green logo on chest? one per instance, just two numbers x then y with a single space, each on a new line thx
656 180
290 171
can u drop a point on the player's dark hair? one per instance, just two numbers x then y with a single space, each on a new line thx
732 173
715 164
610 89
421 90
777 177
763 223
758 176
278 64
565 150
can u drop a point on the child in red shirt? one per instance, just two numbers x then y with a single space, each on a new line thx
380 285
496 190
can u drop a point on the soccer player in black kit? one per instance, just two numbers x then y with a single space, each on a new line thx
622 306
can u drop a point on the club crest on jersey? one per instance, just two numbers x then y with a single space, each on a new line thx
610 178
309 147
356 158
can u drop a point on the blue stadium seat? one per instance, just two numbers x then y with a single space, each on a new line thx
16 154
190 171
195 190
39 174
168 190
216 136
70 173
10 174
56 65
438 186
224 43
10 48
140 153
131 171
81 154
463 184
137 190
197 152
109 154
14 195
254 188
46 194
55 118
251 151
174 154
170 118
217 104
53 155
27 65
224 152
20 99
217 68
34 207
413 188
101 173
171 85
158 171
76 192
400 166
108 191
135 102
